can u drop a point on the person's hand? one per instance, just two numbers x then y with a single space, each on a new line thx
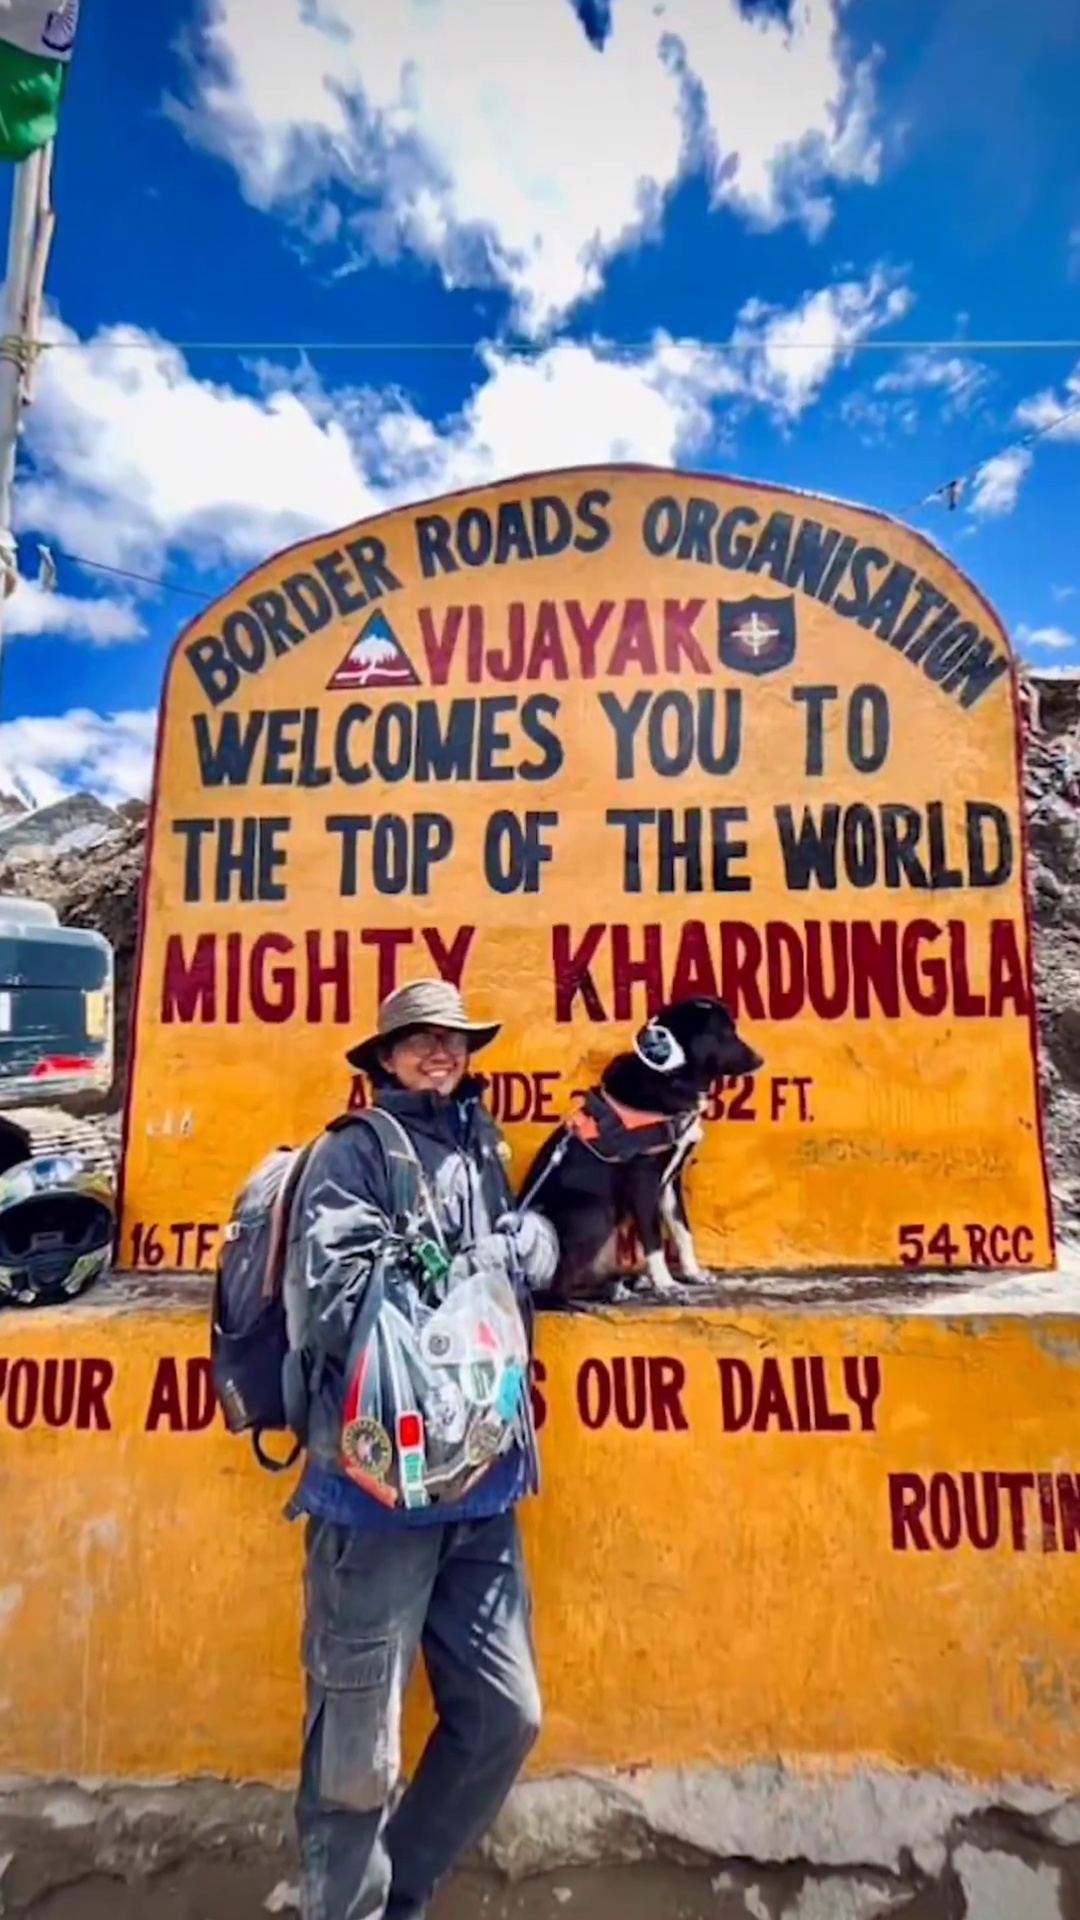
524 1245
535 1244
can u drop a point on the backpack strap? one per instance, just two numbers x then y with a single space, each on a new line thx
279 1222
407 1179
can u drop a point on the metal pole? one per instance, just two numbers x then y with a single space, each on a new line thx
23 272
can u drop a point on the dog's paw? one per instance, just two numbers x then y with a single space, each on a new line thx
695 1276
659 1274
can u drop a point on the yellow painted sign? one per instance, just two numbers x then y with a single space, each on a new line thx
587 742
862 1549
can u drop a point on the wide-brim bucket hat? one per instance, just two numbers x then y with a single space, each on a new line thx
423 1003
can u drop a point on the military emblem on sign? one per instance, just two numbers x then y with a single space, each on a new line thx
757 635
375 659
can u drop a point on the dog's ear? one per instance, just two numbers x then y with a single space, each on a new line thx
658 1048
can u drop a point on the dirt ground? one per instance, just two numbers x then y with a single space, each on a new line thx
230 1892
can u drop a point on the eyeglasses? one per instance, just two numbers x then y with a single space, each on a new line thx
428 1040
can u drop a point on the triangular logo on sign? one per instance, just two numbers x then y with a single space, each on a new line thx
375 659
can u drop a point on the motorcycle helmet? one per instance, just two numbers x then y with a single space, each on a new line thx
57 1222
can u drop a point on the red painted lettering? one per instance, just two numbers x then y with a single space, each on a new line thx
332 972
571 970
200 1400
862 1384
945 1516
501 666
547 654
58 1391
736 1394
92 1407
189 987
631 1390
628 971
440 644
450 959
772 1401
982 1523
166 1405
667 1381
969 1005
594 1394
679 636
1008 975
860 968
387 941
587 631
1047 1512
634 645
1014 1486
1067 1486
22 1394
827 1419
539 1397
907 1503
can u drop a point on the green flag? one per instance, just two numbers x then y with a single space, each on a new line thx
36 38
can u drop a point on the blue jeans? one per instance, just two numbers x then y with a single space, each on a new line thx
373 1599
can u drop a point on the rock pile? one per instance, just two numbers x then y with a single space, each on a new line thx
1052 796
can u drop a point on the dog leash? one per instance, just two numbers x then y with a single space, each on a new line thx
558 1155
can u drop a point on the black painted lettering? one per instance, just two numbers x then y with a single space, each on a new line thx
810 854
217 675
335 572
868 729
271 609
282 747
227 760
433 537
625 722
368 555
815 700
194 833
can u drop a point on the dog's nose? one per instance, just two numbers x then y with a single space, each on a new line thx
755 1061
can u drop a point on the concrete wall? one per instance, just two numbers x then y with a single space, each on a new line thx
805 1593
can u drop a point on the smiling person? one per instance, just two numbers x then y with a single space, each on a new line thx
384 1582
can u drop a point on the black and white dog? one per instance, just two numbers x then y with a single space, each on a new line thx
621 1157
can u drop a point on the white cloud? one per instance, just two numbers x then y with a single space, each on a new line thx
110 754
31 610
957 380
996 486
1056 415
1052 639
786 357
508 150
131 455
895 402
1063 593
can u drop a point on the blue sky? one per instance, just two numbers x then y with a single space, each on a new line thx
714 229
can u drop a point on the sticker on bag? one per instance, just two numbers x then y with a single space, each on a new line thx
445 1390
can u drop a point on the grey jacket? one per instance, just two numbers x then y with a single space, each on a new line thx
341 1220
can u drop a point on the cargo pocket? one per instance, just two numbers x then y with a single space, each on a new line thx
355 1719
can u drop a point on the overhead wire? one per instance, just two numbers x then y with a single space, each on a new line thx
528 348
951 491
